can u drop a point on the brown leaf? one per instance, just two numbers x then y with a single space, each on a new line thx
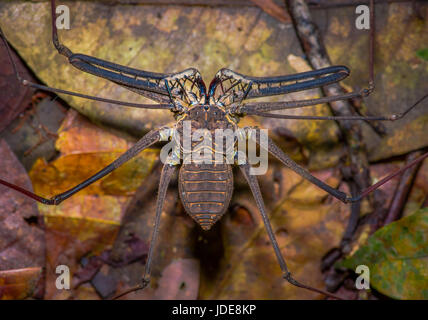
173 257
14 97
179 281
22 242
77 135
87 223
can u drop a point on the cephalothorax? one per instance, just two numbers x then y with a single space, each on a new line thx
206 186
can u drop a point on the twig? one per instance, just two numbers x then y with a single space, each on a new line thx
402 190
271 8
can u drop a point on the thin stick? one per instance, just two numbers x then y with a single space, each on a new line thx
402 191
387 178
372 43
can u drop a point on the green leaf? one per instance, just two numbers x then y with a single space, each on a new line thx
397 256
423 54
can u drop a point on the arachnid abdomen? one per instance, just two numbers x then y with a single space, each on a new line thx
205 191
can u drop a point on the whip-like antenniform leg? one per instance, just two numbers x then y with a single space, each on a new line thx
259 110
160 87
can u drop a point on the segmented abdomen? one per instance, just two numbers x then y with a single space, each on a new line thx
205 191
